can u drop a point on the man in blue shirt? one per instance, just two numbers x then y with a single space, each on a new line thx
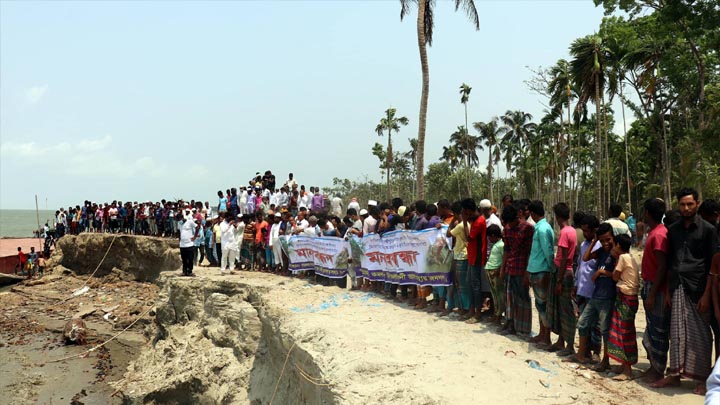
541 269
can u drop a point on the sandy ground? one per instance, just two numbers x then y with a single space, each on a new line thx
369 347
369 350
31 324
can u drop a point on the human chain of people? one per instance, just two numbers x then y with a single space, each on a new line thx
584 281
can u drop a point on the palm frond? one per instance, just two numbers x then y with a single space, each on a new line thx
468 7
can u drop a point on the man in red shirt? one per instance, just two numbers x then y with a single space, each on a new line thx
654 290
518 237
22 259
475 228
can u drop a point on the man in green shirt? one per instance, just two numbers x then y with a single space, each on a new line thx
541 268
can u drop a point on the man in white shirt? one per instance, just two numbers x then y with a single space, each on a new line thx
274 239
188 232
305 200
312 228
370 223
300 222
228 244
354 204
242 201
337 206
290 182
275 198
490 218
283 198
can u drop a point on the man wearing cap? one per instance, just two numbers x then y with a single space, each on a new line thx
490 217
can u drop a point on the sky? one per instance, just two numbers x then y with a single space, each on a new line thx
144 100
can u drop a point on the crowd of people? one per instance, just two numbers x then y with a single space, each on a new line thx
583 279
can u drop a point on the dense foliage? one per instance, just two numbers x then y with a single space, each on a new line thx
660 59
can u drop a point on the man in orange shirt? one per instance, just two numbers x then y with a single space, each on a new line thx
261 229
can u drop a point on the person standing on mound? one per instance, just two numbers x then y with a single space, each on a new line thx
189 230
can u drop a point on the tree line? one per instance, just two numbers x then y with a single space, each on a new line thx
660 59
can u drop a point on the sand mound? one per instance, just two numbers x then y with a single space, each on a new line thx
141 257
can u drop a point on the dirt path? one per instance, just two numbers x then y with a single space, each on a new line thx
370 349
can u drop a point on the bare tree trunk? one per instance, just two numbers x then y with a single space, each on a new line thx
389 164
599 150
420 177
490 174
606 135
627 158
666 160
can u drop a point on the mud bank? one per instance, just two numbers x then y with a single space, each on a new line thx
218 342
141 258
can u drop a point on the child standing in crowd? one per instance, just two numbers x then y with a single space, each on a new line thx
494 262
622 341
598 311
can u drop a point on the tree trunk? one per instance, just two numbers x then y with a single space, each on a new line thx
598 149
606 135
389 164
627 159
490 174
420 177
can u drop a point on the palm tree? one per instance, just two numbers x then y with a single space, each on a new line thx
412 156
452 156
490 133
517 130
425 24
588 72
464 98
560 89
390 123
467 146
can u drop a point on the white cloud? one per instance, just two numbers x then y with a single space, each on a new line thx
91 145
34 94
92 157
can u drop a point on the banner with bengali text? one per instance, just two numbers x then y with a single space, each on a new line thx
404 257
398 257
326 256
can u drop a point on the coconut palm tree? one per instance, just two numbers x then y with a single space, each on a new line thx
388 124
560 89
452 156
412 156
464 98
490 133
425 25
517 130
467 145
587 69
